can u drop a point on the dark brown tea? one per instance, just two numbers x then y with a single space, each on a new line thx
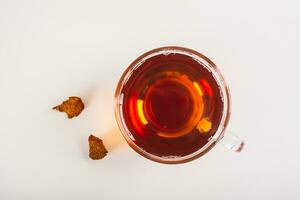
171 104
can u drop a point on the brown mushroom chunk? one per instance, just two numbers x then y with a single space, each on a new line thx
72 107
97 149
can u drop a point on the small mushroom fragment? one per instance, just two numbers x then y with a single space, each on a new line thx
72 107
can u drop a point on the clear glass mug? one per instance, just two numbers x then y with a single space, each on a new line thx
231 141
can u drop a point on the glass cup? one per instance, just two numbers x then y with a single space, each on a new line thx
231 141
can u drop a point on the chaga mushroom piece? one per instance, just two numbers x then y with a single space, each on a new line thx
97 149
72 107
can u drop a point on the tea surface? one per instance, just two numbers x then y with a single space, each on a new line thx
171 105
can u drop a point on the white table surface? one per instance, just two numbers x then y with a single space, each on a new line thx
50 50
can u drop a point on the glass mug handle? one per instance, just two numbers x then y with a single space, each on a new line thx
232 142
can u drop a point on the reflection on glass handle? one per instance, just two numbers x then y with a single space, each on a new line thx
233 142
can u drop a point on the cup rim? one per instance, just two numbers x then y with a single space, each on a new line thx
218 77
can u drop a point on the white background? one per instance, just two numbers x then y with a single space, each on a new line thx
50 50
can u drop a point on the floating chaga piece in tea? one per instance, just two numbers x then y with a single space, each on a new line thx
97 149
72 107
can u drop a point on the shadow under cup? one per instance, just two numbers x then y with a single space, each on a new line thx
172 105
